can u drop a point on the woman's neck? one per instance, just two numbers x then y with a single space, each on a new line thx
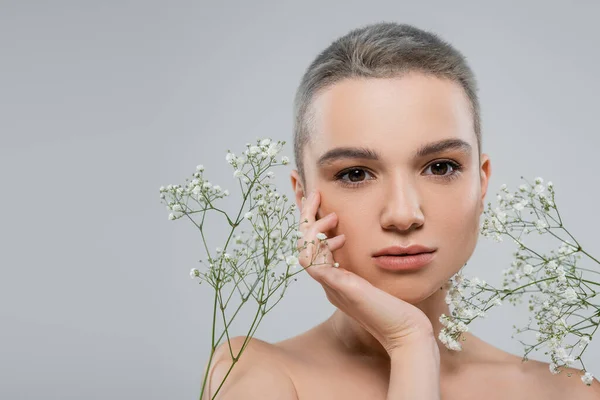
354 339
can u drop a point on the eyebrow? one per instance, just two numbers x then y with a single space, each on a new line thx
340 153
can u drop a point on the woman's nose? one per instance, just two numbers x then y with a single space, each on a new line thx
402 208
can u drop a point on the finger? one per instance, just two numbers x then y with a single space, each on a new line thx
309 209
307 218
313 255
312 252
324 224
326 248
336 242
318 262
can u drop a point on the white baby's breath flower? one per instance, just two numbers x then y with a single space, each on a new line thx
321 236
200 167
291 261
539 188
237 173
541 224
194 273
230 158
171 216
248 215
587 378
570 295
265 142
285 160
273 150
254 149
538 180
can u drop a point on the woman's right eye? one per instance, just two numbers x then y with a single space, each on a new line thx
355 176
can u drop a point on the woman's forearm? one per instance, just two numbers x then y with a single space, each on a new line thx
415 372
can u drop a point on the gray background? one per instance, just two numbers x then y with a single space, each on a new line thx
103 102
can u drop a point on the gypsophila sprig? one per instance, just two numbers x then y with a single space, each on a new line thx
562 296
258 262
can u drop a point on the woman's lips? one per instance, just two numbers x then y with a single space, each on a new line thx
404 263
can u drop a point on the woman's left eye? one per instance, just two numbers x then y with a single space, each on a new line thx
456 168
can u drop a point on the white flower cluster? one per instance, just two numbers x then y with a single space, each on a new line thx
551 308
558 296
249 167
463 311
587 378
198 189
508 215
255 157
452 329
292 261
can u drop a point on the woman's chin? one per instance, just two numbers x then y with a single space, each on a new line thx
410 292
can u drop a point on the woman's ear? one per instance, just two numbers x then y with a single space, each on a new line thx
298 189
485 174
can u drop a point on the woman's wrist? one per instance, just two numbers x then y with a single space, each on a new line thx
415 370
409 344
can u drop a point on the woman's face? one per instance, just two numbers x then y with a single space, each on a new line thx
392 195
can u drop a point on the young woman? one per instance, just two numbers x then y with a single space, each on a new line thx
389 162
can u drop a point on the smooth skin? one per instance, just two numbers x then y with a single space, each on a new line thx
376 343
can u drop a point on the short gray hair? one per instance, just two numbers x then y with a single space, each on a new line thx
380 50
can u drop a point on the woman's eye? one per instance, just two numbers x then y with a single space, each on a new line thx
355 176
442 168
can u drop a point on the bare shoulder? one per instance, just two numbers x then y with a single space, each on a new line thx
566 384
258 373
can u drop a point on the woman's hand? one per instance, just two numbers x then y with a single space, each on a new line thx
392 321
